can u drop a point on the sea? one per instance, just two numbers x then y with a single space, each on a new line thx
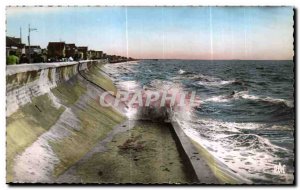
246 117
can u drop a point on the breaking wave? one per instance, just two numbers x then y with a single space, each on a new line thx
216 83
250 155
246 96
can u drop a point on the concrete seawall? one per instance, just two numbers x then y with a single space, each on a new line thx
23 82
51 107
57 132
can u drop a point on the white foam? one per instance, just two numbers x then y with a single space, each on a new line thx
249 155
215 83
181 72
246 95
218 99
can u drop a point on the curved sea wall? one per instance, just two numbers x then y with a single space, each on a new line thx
23 82
53 118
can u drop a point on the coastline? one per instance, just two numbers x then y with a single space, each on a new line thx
63 143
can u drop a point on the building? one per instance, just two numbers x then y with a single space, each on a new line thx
14 45
83 52
71 51
112 58
56 50
92 54
34 53
99 54
33 50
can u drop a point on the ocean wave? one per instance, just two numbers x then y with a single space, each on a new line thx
227 126
162 85
246 95
216 83
118 69
219 99
251 141
181 72
236 127
205 78
211 81
250 155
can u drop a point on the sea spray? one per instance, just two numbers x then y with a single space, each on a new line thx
152 104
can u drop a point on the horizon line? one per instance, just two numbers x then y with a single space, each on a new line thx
215 59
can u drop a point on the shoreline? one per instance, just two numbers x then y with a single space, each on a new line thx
78 110
69 146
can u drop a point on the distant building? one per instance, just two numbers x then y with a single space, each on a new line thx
71 50
14 45
56 50
99 54
92 54
83 52
34 53
44 54
33 50
112 58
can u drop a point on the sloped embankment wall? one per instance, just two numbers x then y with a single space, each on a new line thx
53 118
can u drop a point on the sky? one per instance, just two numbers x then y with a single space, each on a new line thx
207 33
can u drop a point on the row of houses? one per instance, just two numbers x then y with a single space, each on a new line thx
55 52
